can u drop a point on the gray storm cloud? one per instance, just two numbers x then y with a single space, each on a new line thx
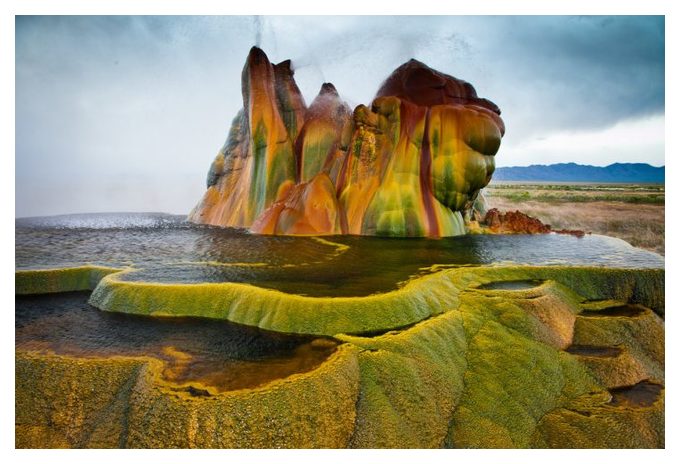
125 113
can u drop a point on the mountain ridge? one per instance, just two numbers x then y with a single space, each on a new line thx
573 172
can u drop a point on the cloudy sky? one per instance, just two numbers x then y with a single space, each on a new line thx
126 113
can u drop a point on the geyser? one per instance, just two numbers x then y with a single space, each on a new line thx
409 165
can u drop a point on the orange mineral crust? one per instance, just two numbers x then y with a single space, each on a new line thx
409 165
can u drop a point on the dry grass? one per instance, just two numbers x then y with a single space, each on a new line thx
627 193
641 225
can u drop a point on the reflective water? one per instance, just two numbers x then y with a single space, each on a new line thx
169 249
642 394
594 351
219 354
511 285
628 310
226 356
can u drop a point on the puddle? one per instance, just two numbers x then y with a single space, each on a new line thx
628 310
219 354
511 285
378 333
594 351
642 394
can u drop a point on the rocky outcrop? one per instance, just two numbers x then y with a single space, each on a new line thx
408 165
516 222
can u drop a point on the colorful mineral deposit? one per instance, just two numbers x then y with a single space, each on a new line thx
214 338
407 166
469 357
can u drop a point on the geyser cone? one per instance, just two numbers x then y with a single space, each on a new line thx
406 166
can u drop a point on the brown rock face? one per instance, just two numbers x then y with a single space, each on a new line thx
418 83
516 222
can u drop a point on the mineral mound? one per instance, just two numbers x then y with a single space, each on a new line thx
407 166
516 222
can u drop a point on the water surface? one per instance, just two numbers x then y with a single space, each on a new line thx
512 285
215 353
171 250
227 356
595 351
642 394
627 310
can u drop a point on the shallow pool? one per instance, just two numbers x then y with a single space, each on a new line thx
168 249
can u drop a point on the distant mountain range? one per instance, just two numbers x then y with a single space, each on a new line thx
572 172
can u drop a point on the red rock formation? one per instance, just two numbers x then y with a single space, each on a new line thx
516 222
418 83
574 232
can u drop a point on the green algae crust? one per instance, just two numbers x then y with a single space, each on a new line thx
602 426
477 377
71 279
63 401
485 368
419 299
277 311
